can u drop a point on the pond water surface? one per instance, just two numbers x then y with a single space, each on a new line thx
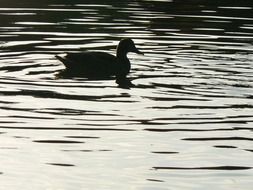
187 124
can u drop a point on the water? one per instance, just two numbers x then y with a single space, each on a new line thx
186 125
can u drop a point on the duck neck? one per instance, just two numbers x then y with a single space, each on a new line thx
121 53
123 64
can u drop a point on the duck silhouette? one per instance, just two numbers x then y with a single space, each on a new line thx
100 65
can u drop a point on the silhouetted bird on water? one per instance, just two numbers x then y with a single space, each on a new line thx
100 65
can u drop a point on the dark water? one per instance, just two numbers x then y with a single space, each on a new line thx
186 125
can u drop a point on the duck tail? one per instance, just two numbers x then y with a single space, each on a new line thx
59 58
63 59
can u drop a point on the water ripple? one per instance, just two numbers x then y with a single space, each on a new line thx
190 109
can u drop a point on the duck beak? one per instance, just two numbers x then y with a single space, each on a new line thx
137 51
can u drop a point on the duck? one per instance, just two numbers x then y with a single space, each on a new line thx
100 65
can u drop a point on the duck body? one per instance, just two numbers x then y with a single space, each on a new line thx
90 64
99 65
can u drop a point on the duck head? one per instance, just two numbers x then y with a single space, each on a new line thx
126 45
